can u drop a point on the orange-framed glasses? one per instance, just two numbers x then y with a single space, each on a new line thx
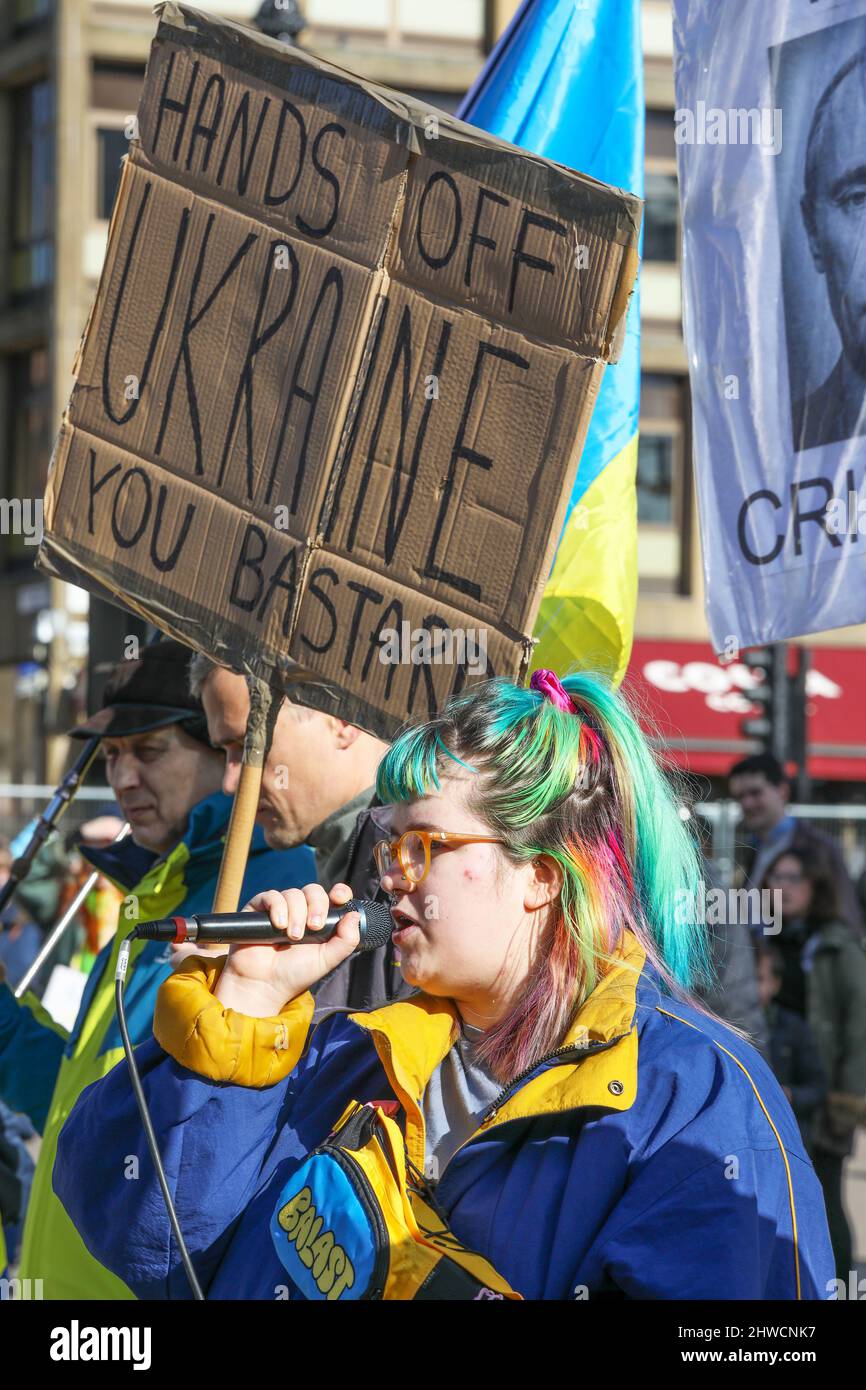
412 850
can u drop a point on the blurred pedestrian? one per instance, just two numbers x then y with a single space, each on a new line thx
16 1177
758 783
732 991
823 980
793 1051
98 913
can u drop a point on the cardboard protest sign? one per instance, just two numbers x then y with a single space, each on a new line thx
332 395
770 102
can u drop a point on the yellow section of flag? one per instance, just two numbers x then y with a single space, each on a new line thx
586 619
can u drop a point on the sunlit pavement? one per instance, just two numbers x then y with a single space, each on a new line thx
855 1198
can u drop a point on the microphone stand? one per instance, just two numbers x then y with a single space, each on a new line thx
58 804
56 933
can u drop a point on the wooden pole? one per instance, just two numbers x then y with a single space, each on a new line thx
265 705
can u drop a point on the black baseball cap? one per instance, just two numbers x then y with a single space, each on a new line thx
146 694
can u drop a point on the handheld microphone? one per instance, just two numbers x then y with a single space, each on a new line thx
256 929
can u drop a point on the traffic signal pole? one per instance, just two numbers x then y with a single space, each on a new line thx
781 727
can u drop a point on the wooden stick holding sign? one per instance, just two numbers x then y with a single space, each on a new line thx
265 705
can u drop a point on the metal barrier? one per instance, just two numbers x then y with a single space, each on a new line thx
19 803
718 823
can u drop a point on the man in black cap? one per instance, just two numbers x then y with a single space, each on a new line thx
159 760
166 778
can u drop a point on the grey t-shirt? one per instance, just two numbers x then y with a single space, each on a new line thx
458 1093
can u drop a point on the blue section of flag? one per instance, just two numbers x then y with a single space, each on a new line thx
565 81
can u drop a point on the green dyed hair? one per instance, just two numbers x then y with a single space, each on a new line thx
584 789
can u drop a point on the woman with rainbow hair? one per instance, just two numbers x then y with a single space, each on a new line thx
551 1115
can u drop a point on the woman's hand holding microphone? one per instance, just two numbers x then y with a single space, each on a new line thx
260 980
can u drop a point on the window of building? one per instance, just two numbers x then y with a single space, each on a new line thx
661 228
398 23
111 146
655 477
32 259
27 12
28 448
115 91
662 214
663 483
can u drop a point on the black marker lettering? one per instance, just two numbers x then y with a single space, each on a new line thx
430 624
275 199
257 341
474 238
460 451
191 321
167 103
144 374
330 177
365 595
392 618
288 562
246 561
356 421
437 262
325 600
397 510
167 564
239 122
531 219
95 486
126 542
333 280
201 131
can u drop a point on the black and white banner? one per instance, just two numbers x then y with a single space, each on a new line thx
771 136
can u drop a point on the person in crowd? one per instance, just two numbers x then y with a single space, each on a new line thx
550 1116
732 989
20 941
16 1177
759 785
166 778
98 913
317 789
824 982
793 1051
40 894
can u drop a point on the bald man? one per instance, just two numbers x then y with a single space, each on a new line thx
317 789
834 212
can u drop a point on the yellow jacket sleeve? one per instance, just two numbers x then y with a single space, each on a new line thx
196 1030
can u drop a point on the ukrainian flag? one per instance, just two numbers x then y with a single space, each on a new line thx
565 81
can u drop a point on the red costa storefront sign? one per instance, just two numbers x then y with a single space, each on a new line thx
695 705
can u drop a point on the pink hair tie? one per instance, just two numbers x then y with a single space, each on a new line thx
549 684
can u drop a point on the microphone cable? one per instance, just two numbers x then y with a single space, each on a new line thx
150 1135
376 925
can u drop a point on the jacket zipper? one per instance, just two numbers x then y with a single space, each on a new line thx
374 1215
506 1091
497 1103
512 1085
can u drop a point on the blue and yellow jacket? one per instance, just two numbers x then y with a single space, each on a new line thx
43 1070
653 1156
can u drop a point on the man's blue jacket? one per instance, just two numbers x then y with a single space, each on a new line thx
653 1156
43 1071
